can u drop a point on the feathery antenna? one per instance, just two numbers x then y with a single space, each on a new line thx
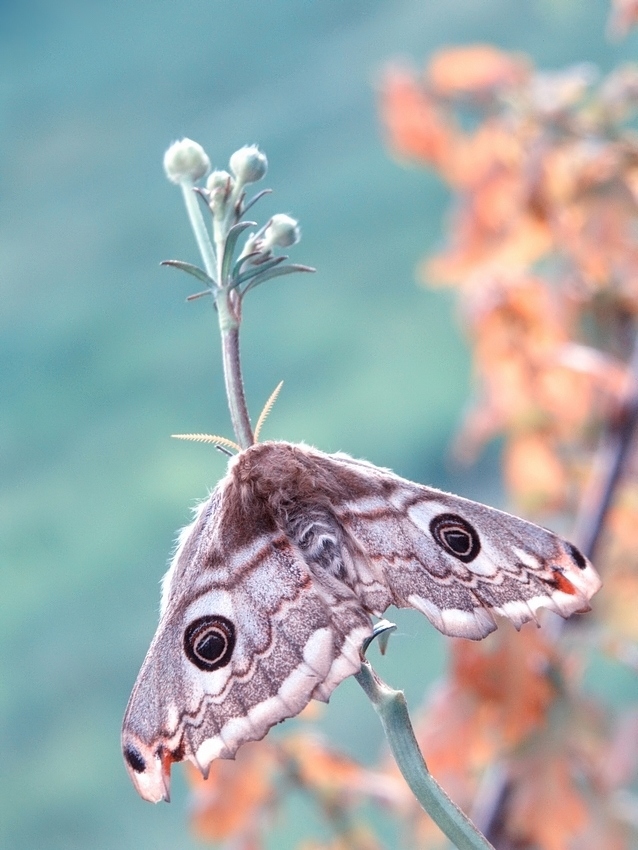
267 408
208 438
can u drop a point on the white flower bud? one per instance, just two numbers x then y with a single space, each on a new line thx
217 202
248 164
185 160
219 180
282 230
252 244
218 189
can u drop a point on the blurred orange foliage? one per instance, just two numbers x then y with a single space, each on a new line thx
546 179
237 796
543 250
240 797
474 70
623 17
547 810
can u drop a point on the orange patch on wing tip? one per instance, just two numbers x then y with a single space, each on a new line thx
166 758
563 584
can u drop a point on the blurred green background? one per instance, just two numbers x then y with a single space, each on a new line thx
102 358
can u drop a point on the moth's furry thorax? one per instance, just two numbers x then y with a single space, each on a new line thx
282 474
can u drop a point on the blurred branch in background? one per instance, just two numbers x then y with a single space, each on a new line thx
609 464
607 469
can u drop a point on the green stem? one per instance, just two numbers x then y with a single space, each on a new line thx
199 229
391 707
228 306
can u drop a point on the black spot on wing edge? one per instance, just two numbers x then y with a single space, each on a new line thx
134 759
577 556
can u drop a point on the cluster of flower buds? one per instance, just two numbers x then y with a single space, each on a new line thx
224 189
185 163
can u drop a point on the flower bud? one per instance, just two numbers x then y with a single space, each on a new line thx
248 164
252 244
282 230
218 188
219 180
185 160
217 202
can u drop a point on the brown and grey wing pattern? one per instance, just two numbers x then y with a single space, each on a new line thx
245 640
458 561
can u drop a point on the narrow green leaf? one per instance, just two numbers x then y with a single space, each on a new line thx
239 263
276 272
259 269
229 246
197 295
200 274
254 200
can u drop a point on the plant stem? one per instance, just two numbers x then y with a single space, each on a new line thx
391 707
228 306
228 312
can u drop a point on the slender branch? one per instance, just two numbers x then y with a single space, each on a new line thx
229 321
608 465
392 708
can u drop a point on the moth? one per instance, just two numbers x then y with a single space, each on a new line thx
272 589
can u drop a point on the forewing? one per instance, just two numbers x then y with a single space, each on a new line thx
244 642
458 561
